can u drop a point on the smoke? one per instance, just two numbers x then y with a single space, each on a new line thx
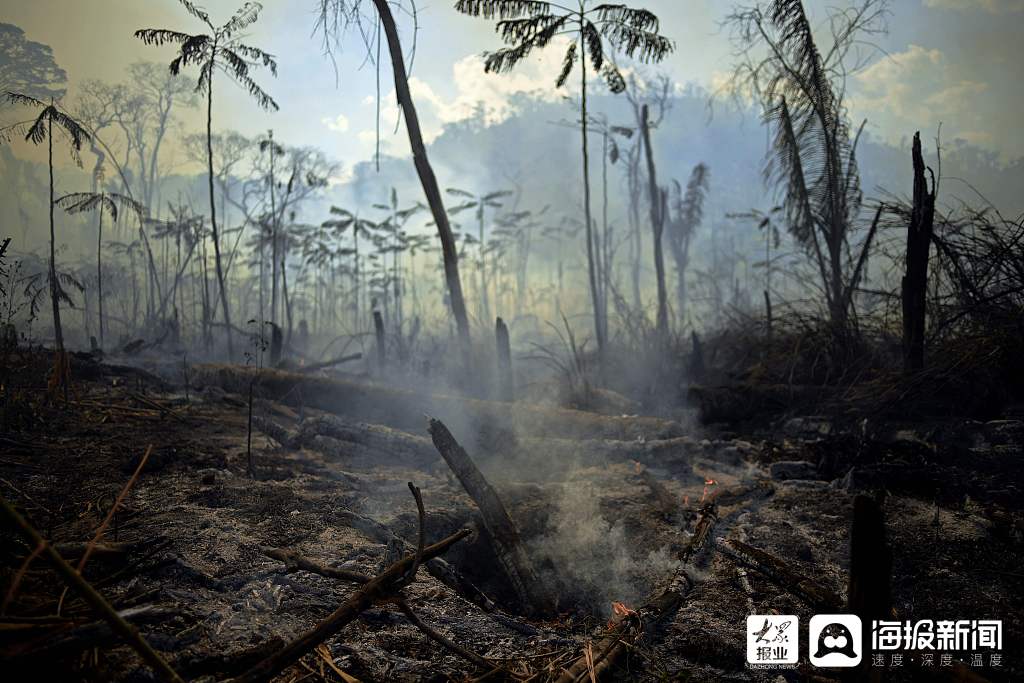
593 561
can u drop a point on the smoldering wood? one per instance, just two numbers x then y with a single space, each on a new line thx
628 629
505 539
403 408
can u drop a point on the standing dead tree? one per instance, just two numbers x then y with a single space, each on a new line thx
915 281
801 89
659 207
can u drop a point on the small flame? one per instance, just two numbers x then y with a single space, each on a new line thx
708 483
637 466
621 610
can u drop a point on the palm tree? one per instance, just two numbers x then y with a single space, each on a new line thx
220 49
480 203
812 161
335 15
360 227
101 201
597 31
37 131
688 211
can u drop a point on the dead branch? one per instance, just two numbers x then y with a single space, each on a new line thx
503 532
383 586
780 573
91 596
437 637
293 561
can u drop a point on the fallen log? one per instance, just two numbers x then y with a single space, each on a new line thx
780 573
629 627
404 408
504 534
375 440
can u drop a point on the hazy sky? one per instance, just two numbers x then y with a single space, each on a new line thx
957 62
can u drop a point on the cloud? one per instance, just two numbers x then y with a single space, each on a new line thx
492 97
991 6
917 89
339 124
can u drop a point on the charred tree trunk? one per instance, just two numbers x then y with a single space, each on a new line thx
869 595
915 280
657 198
588 227
504 347
504 535
213 218
427 179
378 329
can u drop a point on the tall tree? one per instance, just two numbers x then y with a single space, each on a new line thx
50 119
100 202
28 67
334 16
596 31
222 50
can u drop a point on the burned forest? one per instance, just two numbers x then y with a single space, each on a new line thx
509 340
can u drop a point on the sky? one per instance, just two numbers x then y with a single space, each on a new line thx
950 62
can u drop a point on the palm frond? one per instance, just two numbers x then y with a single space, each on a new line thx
567 64
502 9
162 36
244 16
24 100
196 12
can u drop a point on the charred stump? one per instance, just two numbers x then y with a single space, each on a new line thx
506 390
378 329
915 280
504 534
